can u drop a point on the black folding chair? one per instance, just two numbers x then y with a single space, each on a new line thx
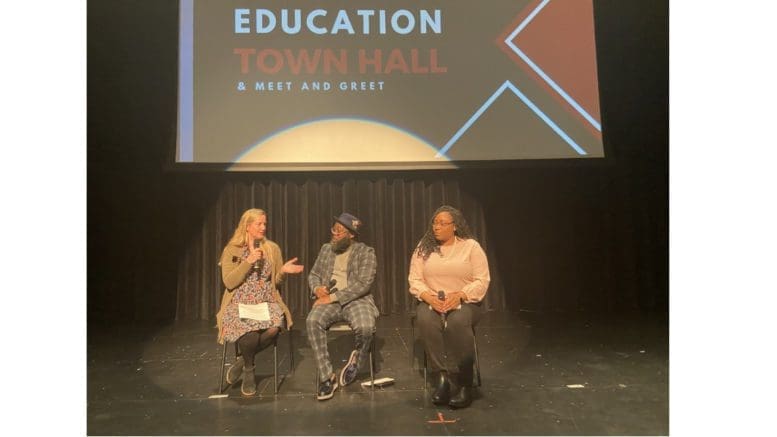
412 338
345 327
275 361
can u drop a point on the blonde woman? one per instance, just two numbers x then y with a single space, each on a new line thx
252 311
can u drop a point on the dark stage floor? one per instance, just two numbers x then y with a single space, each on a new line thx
157 380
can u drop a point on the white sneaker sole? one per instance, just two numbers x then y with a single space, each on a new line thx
351 360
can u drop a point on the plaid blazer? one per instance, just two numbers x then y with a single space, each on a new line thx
362 265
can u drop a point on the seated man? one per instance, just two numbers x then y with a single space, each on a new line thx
340 282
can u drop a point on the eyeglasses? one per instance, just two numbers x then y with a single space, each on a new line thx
337 231
441 223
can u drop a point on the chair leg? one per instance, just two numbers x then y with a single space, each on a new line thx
425 369
275 365
412 353
372 365
477 360
291 353
221 373
412 342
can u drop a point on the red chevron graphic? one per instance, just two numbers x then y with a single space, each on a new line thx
560 41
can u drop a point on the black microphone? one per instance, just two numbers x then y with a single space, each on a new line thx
441 296
258 264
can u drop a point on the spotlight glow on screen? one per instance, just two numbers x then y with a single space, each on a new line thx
368 84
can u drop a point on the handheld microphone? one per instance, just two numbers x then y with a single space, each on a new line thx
258 264
444 316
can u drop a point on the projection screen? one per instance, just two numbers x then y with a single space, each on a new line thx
369 84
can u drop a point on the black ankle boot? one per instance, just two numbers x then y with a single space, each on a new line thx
443 391
463 398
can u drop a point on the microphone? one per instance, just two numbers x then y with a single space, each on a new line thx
258 264
444 316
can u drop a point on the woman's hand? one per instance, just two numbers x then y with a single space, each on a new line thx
453 300
290 268
431 299
254 255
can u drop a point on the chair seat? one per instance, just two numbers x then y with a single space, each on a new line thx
340 326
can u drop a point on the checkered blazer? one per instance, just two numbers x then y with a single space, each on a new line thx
362 265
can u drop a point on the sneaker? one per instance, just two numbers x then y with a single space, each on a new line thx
348 374
327 389
234 372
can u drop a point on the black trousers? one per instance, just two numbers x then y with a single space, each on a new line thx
453 340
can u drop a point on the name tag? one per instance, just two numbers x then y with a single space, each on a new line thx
260 312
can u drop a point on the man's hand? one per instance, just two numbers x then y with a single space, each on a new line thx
321 291
322 300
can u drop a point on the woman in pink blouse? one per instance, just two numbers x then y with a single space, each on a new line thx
449 274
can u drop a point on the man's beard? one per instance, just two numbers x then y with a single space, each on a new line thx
341 245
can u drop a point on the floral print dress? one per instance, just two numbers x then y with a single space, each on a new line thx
257 288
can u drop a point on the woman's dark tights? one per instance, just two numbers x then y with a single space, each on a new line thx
253 342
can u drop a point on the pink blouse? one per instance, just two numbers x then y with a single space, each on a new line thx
462 267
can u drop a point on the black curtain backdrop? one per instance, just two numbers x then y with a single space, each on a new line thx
560 236
395 213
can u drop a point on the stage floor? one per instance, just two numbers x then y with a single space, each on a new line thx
159 379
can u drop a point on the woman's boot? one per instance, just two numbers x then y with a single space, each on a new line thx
235 370
442 392
464 397
249 382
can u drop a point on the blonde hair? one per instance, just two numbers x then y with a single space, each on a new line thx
271 250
